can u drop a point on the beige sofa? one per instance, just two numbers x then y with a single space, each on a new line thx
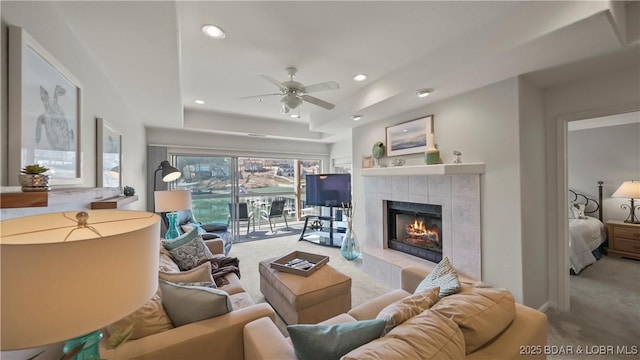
262 340
219 337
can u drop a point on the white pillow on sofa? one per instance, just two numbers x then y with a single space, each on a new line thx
443 276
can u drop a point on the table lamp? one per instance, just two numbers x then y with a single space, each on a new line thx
170 201
67 275
629 190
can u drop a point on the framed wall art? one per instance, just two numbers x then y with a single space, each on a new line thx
409 137
45 112
108 155
367 161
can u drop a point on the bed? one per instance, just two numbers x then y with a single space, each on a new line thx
587 234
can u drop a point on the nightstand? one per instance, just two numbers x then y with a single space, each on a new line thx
624 239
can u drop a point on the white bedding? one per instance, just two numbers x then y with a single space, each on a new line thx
585 235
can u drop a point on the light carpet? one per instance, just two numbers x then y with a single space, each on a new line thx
605 311
363 286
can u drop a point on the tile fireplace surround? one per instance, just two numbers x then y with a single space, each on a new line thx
459 195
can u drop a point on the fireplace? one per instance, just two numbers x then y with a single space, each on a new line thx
415 229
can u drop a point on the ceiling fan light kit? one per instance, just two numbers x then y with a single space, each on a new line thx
293 93
423 92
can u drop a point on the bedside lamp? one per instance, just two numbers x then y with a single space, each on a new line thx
170 201
629 190
67 275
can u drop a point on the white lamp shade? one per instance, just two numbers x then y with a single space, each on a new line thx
629 190
172 200
55 290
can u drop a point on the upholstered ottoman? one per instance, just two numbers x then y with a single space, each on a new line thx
305 300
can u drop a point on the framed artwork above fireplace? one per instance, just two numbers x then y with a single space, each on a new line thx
409 137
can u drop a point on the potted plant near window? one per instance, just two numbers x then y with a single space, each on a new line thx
33 178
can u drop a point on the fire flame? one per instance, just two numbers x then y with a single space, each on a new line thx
418 230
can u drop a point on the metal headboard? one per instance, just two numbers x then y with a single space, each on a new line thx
591 205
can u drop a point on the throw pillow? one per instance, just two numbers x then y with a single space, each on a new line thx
322 342
481 314
186 304
428 335
400 311
578 211
166 263
191 226
149 319
200 273
570 211
444 276
171 244
188 250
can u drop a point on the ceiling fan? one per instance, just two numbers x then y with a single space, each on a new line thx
294 93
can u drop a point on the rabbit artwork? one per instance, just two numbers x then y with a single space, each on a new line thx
54 122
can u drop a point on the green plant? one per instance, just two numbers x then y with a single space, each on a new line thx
34 169
129 191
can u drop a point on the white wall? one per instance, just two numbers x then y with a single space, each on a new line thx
483 124
532 190
226 144
610 154
42 21
597 95
340 152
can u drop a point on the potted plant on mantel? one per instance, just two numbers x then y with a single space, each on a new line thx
34 179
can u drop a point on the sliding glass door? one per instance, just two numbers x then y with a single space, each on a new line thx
211 183
219 183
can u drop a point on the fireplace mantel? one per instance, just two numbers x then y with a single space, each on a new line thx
440 169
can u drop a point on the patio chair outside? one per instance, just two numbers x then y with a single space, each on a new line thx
275 211
243 215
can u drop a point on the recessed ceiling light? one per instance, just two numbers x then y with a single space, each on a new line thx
360 77
295 116
423 92
199 102
356 117
214 31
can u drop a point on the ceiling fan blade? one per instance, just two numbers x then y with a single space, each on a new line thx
275 82
319 102
329 85
258 96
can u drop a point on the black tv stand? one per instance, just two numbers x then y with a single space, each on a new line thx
319 229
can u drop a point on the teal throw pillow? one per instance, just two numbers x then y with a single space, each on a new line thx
443 276
188 303
180 240
325 342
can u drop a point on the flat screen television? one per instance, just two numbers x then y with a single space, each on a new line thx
328 189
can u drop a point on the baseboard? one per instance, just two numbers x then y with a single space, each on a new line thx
548 305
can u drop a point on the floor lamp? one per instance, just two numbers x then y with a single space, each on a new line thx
169 173
67 275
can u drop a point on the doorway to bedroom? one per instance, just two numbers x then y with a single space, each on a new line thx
598 149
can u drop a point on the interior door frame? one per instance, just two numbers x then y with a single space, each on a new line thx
562 200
